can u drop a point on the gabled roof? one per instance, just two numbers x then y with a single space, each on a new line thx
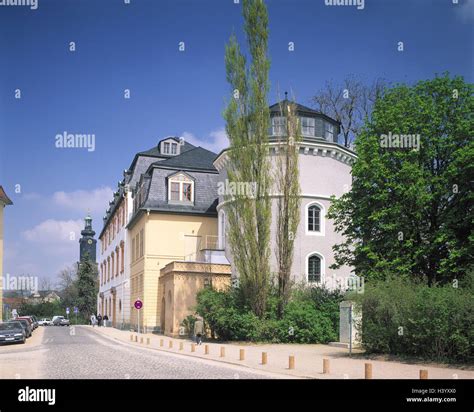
197 158
4 198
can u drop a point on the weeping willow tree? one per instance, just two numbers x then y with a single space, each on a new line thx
247 118
288 210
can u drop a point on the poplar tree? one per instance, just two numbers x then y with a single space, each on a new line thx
247 120
288 189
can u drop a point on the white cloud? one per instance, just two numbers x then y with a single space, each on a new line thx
95 200
465 11
53 233
215 142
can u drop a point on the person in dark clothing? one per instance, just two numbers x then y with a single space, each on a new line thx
105 319
99 320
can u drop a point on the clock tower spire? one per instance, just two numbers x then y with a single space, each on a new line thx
87 243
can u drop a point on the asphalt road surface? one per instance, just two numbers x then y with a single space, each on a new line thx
79 353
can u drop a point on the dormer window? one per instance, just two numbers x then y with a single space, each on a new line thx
278 126
170 147
180 188
308 125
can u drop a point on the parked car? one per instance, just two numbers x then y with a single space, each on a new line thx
45 322
12 332
35 320
29 319
60 321
26 325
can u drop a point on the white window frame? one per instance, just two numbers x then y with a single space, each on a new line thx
329 131
323 268
311 126
174 148
322 219
278 122
166 147
181 179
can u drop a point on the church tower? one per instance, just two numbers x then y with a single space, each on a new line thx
87 248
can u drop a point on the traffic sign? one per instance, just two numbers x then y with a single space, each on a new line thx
67 311
138 304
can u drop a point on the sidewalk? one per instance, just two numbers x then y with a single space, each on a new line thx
308 359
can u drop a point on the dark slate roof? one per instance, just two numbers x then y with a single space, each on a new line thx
4 198
155 151
302 110
197 158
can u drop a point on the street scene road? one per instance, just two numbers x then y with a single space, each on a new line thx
80 353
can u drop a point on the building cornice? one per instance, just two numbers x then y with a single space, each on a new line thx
323 148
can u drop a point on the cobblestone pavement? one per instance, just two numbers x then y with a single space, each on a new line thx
67 353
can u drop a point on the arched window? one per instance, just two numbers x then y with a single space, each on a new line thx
314 218
314 268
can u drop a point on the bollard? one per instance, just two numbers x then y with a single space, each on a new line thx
161 342
326 366
264 358
180 345
193 347
242 354
170 344
136 338
147 341
131 337
291 362
222 352
206 349
368 371
423 374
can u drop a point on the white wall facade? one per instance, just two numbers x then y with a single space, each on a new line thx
325 170
114 291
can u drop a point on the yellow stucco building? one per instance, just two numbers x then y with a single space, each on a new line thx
4 200
170 221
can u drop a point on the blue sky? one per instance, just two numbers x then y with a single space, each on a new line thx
135 46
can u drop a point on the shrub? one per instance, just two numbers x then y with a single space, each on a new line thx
310 317
403 317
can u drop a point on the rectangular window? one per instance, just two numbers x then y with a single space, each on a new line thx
166 148
174 193
329 132
308 125
137 246
187 192
133 250
278 126
174 148
141 243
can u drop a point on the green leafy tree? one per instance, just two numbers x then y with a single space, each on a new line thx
410 212
87 287
288 203
247 119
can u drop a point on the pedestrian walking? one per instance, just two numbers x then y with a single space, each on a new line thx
99 320
105 319
93 320
198 330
